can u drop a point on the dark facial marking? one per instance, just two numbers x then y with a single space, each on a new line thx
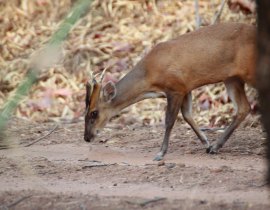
87 96
91 117
94 114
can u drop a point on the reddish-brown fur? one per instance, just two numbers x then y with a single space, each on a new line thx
218 53
209 55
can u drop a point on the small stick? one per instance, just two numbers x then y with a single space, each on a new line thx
97 165
18 201
212 129
42 137
218 14
142 204
145 202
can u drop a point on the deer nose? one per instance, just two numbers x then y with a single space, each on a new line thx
88 138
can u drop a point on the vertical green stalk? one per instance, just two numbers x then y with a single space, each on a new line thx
31 77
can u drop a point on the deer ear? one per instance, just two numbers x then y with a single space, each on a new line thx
109 91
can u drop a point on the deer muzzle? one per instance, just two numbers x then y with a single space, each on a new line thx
88 137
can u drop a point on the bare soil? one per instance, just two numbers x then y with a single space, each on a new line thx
117 172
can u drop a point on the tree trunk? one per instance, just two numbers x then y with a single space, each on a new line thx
263 68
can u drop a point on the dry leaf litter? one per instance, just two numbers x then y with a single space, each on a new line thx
115 33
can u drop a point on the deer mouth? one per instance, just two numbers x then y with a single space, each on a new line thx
89 138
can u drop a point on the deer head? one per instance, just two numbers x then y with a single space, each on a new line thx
98 106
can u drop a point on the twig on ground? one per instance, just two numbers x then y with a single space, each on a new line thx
42 137
16 202
218 14
212 129
96 163
142 204
146 202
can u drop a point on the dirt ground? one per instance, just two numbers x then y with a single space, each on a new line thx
116 171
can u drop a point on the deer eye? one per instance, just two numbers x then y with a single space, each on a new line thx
94 114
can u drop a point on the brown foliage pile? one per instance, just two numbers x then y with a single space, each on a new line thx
114 33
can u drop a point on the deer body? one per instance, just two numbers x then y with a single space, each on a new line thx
218 53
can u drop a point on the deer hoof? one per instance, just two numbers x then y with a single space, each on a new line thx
158 157
211 150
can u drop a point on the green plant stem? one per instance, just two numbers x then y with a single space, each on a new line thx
31 77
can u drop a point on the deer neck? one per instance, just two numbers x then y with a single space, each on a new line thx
129 89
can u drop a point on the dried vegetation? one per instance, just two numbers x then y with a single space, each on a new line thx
115 33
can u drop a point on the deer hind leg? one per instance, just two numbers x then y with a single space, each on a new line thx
236 92
186 109
174 102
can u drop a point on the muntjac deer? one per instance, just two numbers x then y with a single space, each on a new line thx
217 53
